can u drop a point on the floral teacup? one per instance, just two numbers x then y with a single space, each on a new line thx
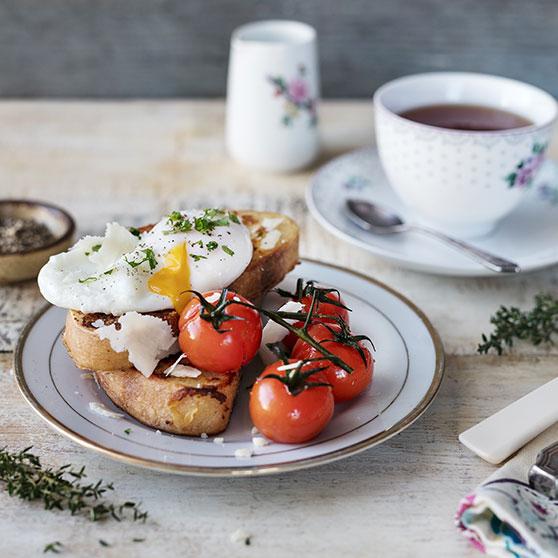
461 182
272 93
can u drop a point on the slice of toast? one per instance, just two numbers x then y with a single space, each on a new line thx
188 406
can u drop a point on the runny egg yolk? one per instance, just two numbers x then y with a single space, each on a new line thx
174 278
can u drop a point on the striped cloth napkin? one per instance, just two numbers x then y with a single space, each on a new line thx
505 517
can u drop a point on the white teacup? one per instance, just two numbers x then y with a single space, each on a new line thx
462 182
272 95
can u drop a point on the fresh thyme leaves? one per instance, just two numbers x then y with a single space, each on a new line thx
227 250
205 223
198 243
128 431
134 231
88 279
149 257
211 245
24 476
197 257
535 326
137 540
104 543
55 547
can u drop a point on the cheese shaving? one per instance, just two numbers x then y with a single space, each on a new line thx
243 453
100 409
273 332
146 338
270 239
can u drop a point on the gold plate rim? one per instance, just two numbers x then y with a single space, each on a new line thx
247 470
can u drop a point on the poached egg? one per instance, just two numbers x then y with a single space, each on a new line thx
126 271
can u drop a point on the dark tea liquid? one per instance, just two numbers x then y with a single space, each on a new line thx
466 117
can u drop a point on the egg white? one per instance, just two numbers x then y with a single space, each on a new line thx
78 278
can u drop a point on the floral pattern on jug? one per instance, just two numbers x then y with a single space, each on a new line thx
296 94
525 171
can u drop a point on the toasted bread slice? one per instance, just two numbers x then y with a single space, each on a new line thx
187 406
267 268
191 406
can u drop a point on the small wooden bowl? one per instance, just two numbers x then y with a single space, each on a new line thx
26 265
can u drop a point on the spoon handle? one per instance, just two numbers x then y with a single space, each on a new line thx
495 263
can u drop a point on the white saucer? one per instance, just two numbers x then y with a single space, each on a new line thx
528 236
409 363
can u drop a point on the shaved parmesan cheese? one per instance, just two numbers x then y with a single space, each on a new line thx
290 366
118 240
270 223
254 431
98 323
183 371
273 332
259 441
146 338
204 436
213 298
241 536
243 453
100 409
270 239
219 440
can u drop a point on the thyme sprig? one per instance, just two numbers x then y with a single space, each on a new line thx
343 335
536 326
24 476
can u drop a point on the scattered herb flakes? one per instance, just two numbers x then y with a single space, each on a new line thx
108 271
96 248
211 245
128 431
198 243
536 326
134 231
149 257
104 543
178 223
138 540
88 279
198 257
23 475
54 547
227 250
234 218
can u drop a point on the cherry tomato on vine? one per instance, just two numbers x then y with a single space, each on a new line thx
345 385
225 344
330 311
290 415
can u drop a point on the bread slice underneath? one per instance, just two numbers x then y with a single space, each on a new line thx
188 406
191 406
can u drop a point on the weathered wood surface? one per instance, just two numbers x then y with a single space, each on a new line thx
132 162
170 48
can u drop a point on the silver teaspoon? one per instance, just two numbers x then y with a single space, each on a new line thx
380 220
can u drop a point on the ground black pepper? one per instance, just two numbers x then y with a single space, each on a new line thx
21 235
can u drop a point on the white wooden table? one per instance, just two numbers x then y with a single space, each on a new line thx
133 161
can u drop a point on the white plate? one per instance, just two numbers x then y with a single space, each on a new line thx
528 236
409 369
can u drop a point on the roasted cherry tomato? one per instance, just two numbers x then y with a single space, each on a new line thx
233 344
290 417
332 311
345 385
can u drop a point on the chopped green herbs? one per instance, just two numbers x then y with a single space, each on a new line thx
108 271
134 231
128 431
198 243
227 250
149 257
94 248
54 547
205 224
24 476
104 543
137 540
198 257
178 223
211 245
88 279
538 325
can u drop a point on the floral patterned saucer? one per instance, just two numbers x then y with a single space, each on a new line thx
528 236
